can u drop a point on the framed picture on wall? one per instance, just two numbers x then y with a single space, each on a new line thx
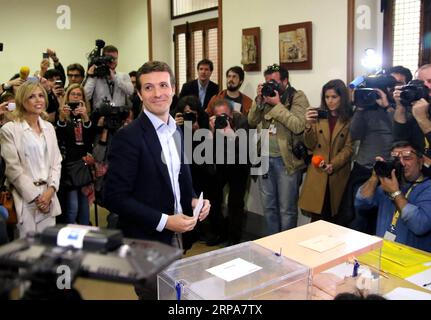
295 45
251 55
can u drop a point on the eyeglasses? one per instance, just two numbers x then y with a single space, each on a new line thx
75 94
274 67
406 154
74 75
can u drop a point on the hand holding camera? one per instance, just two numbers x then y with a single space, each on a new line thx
179 119
421 109
313 114
389 173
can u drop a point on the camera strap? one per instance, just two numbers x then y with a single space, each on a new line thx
111 86
397 213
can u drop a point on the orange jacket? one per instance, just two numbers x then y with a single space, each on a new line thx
246 103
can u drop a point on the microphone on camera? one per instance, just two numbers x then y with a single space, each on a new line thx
24 72
318 162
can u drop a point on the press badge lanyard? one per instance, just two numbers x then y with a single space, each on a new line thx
391 233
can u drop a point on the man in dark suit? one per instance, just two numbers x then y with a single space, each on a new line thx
147 183
202 87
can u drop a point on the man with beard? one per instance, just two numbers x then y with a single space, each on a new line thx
239 101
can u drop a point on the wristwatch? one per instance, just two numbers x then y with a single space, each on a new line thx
395 194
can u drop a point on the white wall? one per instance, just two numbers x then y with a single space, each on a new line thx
368 31
162 31
329 38
133 34
29 27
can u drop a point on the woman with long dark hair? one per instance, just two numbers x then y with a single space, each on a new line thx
327 136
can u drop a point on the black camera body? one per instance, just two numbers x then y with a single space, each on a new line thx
221 121
300 151
73 105
384 169
322 114
114 115
414 91
102 69
269 88
1 46
365 94
189 116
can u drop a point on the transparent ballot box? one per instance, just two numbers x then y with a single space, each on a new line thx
244 271
340 259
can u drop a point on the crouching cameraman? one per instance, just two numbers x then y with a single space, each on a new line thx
403 197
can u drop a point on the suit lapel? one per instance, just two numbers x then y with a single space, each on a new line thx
153 143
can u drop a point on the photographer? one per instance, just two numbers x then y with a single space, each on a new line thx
371 126
404 202
115 86
412 119
327 135
282 112
75 136
55 89
225 126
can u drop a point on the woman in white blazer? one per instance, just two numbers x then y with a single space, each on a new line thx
33 160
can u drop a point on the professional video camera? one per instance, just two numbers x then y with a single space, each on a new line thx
101 62
221 121
269 88
384 169
79 251
365 94
114 115
414 91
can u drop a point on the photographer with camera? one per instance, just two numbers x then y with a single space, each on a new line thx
403 202
75 136
327 135
103 81
280 108
412 118
226 126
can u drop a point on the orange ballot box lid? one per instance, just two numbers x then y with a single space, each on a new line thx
321 245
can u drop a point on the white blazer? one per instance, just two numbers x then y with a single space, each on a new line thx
18 174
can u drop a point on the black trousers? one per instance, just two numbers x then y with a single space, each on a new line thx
236 177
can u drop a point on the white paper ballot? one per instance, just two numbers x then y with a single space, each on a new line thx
234 269
199 206
322 243
422 279
407 294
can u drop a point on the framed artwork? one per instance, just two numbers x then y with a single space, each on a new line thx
295 45
251 55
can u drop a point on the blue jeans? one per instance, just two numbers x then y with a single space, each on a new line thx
280 192
77 208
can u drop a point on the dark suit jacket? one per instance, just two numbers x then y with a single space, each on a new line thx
138 186
192 89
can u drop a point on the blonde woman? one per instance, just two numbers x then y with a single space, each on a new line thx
75 136
33 160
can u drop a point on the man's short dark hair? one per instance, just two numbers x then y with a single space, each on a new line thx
284 73
133 74
76 67
238 70
222 102
109 49
404 143
403 71
206 62
51 73
154 66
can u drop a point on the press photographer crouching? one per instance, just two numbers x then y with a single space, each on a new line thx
75 134
403 197
412 119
